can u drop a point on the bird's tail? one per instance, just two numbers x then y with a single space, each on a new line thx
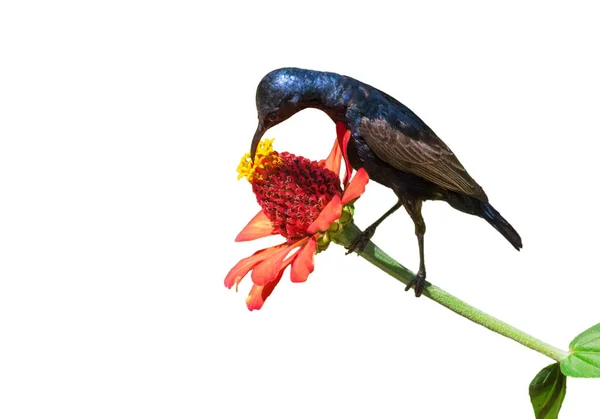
484 210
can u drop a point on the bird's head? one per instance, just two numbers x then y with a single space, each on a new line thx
280 94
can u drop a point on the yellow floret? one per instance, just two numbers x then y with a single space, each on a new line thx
265 159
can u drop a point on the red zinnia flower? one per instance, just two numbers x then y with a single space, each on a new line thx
301 200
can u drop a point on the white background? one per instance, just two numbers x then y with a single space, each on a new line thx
121 126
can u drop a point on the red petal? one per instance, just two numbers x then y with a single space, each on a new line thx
340 130
356 187
328 215
241 269
334 160
343 136
304 263
260 226
267 270
258 294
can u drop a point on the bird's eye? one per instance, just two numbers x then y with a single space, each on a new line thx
272 117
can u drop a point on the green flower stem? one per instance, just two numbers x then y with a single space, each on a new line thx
384 262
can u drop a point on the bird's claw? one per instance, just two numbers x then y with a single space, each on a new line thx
359 244
418 282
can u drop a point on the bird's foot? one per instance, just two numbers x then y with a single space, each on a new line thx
359 244
418 282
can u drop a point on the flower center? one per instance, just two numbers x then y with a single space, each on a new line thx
291 190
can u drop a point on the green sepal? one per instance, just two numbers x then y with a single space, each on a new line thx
347 213
323 242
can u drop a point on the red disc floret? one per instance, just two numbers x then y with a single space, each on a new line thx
293 194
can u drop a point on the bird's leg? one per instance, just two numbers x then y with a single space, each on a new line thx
414 210
361 241
419 280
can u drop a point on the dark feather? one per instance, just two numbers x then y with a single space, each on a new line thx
428 157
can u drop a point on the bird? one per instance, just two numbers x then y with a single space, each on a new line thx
388 140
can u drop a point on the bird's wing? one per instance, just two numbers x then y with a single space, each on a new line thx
426 157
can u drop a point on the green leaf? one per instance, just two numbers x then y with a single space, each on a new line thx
547 392
584 355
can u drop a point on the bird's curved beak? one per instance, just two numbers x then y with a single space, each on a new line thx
260 130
